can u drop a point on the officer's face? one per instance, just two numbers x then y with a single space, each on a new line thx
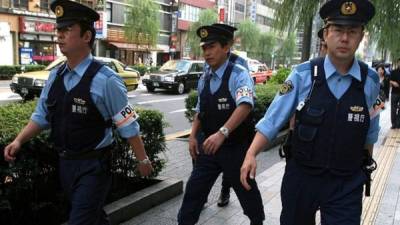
215 54
71 41
343 41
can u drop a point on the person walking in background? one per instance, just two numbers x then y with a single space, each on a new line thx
384 81
79 103
221 130
333 136
395 96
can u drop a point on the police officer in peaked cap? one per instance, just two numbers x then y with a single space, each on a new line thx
79 103
222 129
335 128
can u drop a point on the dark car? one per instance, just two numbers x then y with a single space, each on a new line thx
177 75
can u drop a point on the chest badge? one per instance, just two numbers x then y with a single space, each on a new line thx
356 108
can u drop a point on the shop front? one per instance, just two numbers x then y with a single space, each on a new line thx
37 40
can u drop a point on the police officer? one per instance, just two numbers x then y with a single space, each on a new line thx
221 130
331 98
224 196
79 103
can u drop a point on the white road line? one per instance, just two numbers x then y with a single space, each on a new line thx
160 100
131 96
178 111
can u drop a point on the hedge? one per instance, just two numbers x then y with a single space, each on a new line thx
265 95
33 179
6 72
145 69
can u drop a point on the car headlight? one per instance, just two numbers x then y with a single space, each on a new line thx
15 79
39 83
169 78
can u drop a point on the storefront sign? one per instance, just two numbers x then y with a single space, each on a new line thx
28 25
101 26
26 56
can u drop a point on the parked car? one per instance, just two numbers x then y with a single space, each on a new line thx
178 75
30 84
259 72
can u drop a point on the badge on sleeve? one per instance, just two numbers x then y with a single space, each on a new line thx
126 116
244 92
286 87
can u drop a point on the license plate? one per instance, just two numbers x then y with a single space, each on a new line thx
24 91
155 84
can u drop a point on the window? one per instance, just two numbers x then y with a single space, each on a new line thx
239 7
22 4
189 12
108 11
44 5
263 20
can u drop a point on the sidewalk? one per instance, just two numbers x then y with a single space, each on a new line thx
384 206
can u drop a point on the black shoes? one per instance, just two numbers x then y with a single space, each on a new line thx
223 199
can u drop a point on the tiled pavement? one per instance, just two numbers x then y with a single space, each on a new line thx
270 171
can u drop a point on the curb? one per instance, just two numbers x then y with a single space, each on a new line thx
138 202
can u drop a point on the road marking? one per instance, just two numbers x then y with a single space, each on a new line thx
178 111
131 96
160 100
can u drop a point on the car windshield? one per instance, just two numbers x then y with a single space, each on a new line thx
55 63
176 65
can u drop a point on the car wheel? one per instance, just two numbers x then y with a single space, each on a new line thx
150 88
181 88
28 97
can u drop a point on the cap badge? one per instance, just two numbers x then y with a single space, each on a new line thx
59 11
348 8
203 33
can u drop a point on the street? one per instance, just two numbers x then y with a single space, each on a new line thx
170 104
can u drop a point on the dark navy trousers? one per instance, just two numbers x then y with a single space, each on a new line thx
228 159
86 183
338 198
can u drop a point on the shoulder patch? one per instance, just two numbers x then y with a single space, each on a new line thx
286 87
244 92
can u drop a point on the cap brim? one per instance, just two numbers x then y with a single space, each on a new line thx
65 23
207 42
346 22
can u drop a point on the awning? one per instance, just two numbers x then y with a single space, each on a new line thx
127 46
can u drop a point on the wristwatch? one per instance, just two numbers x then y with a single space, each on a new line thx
145 161
224 131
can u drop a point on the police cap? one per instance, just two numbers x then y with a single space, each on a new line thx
226 27
213 33
347 12
69 12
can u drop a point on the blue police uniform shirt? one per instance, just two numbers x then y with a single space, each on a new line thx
107 90
284 106
239 80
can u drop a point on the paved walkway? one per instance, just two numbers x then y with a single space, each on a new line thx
384 205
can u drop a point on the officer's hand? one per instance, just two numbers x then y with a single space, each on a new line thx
193 149
213 142
145 169
11 150
249 167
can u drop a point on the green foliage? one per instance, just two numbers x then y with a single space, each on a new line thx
142 69
288 48
265 47
249 35
265 95
206 17
280 76
142 22
6 72
33 176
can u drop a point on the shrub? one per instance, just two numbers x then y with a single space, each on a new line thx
265 95
280 76
141 68
33 179
6 72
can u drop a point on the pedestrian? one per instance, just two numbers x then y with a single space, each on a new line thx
221 130
334 133
80 102
224 195
384 81
395 96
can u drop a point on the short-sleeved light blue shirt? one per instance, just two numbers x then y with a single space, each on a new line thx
108 93
283 106
239 80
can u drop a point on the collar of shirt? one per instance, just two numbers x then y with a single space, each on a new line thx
220 71
331 70
81 68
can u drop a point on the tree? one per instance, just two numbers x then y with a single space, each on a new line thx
206 17
142 22
384 27
287 50
249 34
265 47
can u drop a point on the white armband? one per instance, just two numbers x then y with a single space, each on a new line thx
125 117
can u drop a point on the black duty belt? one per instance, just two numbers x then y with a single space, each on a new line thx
84 154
